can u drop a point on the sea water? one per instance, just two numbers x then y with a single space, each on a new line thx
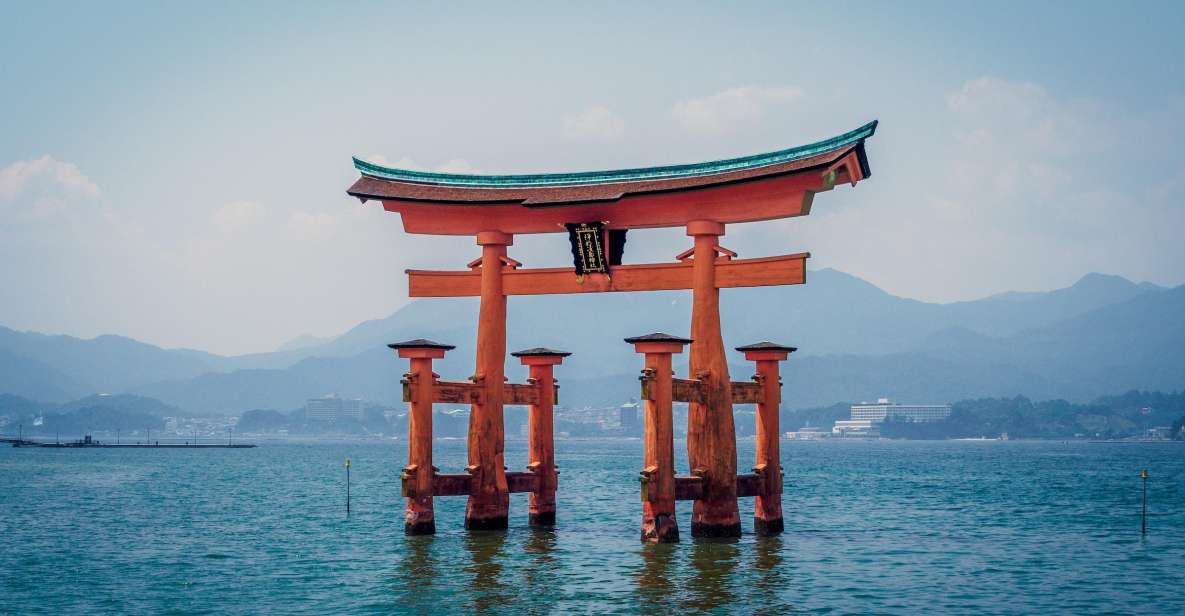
884 526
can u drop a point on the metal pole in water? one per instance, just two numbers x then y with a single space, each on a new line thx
1144 511
347 485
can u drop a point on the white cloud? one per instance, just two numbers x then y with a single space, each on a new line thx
596 123
39 188
724 111
456 165
16 177
237 216
311 226
452 165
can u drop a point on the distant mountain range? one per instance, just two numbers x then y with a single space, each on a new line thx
1101 335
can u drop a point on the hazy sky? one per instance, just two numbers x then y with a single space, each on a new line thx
178 173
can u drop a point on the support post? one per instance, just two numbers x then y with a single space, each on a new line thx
711 436
659 524
541 438
767 506
417 477
489 500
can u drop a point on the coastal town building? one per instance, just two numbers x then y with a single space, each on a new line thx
866 418
333 408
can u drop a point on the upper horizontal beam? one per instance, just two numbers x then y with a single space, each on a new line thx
764 271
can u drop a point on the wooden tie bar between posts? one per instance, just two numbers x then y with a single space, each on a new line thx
470 393
461 484
691 487
692 390
764 271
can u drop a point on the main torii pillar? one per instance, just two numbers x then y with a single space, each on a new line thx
711 435
489 502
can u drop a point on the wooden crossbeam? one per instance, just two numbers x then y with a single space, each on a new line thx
691 390
760 272
747 392
470 393
460 484
748 485
687 390
691 487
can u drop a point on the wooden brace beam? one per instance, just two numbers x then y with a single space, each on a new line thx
760 272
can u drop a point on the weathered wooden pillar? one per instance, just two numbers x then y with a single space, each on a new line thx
420 517
767 508
659 524
541 432
489 498
711 436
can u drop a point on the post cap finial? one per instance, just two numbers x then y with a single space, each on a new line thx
420 343
540 352
767 346
659 337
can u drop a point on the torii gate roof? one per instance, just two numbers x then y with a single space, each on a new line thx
758 187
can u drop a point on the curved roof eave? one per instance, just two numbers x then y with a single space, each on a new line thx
617 176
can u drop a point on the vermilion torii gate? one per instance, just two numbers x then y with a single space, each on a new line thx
703 198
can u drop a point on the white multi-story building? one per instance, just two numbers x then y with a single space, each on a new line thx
333 408
867 418
351 408
885 410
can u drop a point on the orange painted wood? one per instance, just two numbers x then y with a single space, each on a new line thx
541 445
763 271
746 392
711 436
489 500
749 484
520 394
687 390
767 508
453 484
658 475
449 391
689 487
419 517
768 199
522 482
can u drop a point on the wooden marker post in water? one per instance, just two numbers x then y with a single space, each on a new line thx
1144 509
347 485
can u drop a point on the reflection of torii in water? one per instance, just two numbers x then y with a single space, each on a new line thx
703 198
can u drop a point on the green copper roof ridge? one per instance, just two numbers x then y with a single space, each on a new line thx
621 175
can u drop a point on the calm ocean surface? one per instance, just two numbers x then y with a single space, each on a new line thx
901 527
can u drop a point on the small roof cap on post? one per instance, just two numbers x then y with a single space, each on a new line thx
658 337
421 348
766 351
540 352
658 343
540 356
767 346
420 343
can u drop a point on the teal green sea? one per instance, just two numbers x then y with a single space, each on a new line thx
872 527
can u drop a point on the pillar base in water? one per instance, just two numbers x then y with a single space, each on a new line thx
499 523
766 528
663 530
420 528
544 518
700 529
